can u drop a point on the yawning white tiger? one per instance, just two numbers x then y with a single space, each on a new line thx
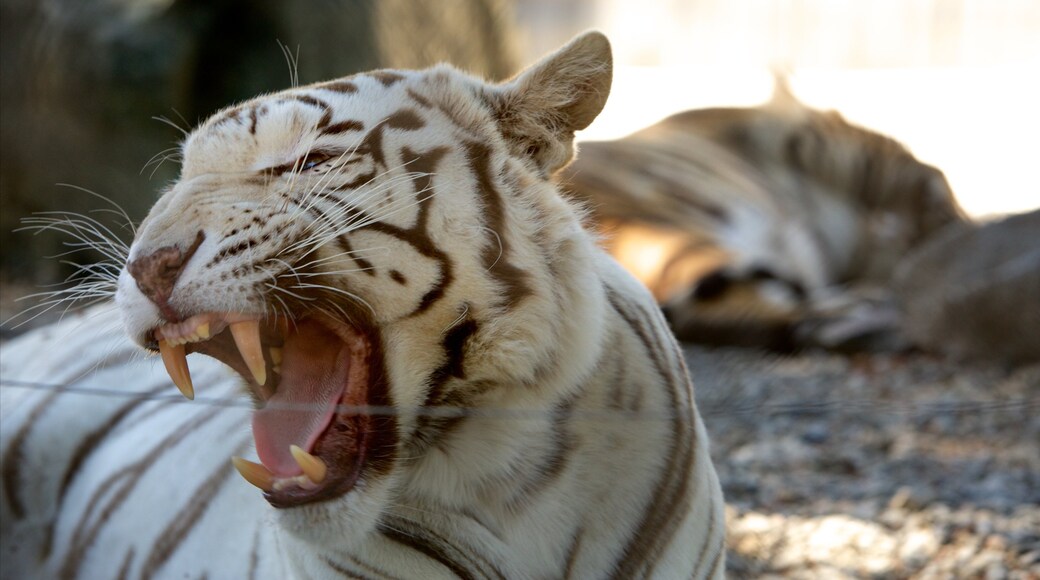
452 379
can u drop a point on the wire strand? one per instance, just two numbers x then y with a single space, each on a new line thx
706 407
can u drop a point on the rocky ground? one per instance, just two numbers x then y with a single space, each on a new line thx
874 466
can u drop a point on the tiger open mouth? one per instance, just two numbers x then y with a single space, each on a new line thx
312 380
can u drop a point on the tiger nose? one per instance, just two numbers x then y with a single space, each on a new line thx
157 273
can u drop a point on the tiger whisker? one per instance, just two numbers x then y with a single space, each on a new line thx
461 317
330 176
293 61
288 268
287 291
335 290
362 192
166 121
159 158
128 225
331 272
174 156
350 225
80 229
498 239
308 205
393 210
335 256
285 307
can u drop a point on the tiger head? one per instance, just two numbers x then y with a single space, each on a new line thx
388 241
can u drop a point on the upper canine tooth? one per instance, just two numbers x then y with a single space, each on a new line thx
247 339
177 367
254 473
314 468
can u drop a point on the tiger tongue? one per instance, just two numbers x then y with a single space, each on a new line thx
315 371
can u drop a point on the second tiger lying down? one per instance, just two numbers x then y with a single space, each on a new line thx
774 226
453 380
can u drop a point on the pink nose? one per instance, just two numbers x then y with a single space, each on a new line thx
157 273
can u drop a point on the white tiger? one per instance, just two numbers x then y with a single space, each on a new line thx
453 380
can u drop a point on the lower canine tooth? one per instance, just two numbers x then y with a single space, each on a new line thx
254 473
247 339
312 467
176 364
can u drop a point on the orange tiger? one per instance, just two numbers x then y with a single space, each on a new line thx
777 225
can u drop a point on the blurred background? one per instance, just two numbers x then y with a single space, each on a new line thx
84 80
864 466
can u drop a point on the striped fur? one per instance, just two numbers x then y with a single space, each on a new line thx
756 225
418 205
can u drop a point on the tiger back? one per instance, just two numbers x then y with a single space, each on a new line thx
450 378
773 226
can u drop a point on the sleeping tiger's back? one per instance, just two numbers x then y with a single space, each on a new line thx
748 223
504 402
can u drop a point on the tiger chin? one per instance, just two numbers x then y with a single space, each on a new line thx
451 378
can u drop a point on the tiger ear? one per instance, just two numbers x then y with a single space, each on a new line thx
539 110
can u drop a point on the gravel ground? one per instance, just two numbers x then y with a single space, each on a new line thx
874 466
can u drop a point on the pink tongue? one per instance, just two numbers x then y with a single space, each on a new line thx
315 367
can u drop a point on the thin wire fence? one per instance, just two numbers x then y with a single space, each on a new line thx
707 408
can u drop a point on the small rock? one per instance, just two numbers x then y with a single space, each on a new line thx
816 434
901 500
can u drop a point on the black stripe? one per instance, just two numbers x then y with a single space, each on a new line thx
343 571
464 564
340 86
572 553
178 530
326 117
701 556
254 554
92 440
670 504
343 127
546 474
120 484
124 569
496 253
367 567
13 458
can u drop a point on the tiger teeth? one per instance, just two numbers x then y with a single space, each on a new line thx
175 335
247 339
254 473
262 477
314 468
276 355
176 364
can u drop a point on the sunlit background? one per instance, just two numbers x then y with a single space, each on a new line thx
958 81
